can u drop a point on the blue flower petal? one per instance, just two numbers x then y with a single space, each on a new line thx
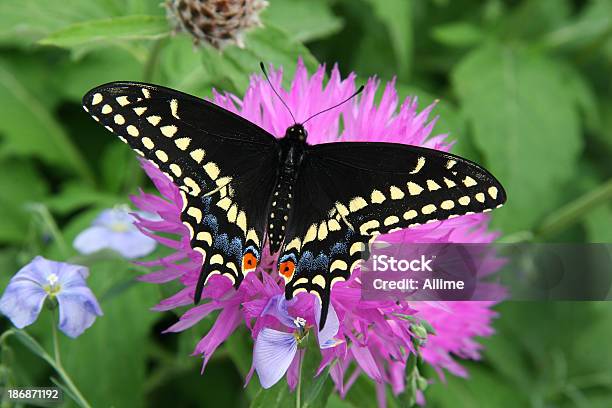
114 229
274 351
92 239
78 310
22 301
332 324
277 307
132 244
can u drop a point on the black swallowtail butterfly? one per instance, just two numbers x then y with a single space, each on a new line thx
320 205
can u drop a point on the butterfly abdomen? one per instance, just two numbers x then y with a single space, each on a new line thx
280 210
291 156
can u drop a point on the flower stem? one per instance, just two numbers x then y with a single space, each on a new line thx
81 401
298 392
51 226
575 210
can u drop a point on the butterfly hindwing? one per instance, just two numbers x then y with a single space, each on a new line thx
224 166
356 191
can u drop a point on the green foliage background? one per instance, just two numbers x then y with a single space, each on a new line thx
524 87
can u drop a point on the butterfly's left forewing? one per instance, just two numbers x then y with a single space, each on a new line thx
349 193
224 166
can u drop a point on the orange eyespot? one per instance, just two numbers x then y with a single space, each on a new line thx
286 269
249 262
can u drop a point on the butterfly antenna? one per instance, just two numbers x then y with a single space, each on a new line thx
263 69
335 106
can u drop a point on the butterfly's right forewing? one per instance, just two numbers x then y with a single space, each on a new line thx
224 166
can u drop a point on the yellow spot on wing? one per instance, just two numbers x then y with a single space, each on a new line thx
154 120
322 233
197 155
224 203
410 214
140 111
493 192
432 185
391 220
148 143
367 226
252 236
212 170
338 264
122 100
232 213
161 155
357 204
419 165
414 188
396 193
182 143
377 197
132 131
106 109
319 280
241 221
195 213
449 183
311 234
168 131
357 247
293 244
97 98
119 119
465 200
176 170
195 189
469 182
480 197
174 108
428 209
447 204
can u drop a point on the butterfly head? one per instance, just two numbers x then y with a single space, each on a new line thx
296 132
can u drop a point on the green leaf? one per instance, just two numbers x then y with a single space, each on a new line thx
304 20
32 345
110 30
592 27
599 224
277 396
270 45
526 124
21 184
397 17
25 21
115 346
29 129
459 34
74 196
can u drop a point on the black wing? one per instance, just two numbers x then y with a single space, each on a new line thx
348 193
224 165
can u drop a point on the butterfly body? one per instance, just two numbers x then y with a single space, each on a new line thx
292 148
318 206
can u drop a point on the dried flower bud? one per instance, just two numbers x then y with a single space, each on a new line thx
217 22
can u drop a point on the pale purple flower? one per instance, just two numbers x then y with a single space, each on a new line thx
371 337
275 351
114 229
43 279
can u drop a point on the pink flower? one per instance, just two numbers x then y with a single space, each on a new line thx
373 338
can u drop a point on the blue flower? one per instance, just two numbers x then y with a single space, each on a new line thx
27 291
114 229
275 351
